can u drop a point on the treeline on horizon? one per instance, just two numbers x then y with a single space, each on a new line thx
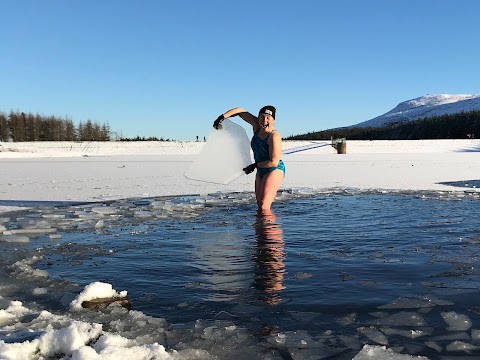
19 127
456 126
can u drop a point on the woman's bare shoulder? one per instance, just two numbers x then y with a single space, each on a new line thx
276 135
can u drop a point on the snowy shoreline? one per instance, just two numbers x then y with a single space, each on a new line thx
114 148
34 173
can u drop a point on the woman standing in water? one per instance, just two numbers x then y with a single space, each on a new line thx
267 150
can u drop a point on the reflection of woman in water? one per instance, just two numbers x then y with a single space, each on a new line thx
269 257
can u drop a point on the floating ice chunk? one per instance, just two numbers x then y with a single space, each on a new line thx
14 239
413 348
297 339
39 273
377 255
280 338
36 231
302 275
371 352
453 336
104 210
456 322
24 266
374 334
379 314
55 236
184 216
303 191
303 316
93 291
476 335
347 319
420 302
462 346
100 224
35 224
212 333
402 318
197 207
433 345
87 215
350 341
412 334
53 216
2 228
143 214
434 300
39 291
157 204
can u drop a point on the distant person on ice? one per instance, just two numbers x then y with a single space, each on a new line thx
267 150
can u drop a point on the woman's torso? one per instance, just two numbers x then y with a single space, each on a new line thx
260 147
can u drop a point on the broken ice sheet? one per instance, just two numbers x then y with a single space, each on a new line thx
411 334
415 303
402 318
456 322
374 334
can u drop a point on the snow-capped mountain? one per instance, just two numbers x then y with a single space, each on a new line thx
425 106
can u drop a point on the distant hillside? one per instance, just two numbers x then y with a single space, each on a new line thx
428 117
423 107
458 126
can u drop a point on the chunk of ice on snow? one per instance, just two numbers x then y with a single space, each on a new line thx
95 290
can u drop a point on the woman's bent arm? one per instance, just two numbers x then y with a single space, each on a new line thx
244 114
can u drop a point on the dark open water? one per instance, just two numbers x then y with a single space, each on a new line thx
324 273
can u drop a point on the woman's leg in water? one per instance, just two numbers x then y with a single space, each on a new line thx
266 188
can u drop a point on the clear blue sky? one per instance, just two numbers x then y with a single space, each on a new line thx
168 68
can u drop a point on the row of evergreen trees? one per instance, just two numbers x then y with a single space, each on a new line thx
18 126
456 126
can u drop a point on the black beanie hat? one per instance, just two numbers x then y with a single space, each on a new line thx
269 110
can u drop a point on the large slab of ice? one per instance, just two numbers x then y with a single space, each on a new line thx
223 157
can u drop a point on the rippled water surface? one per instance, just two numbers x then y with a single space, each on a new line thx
319 264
